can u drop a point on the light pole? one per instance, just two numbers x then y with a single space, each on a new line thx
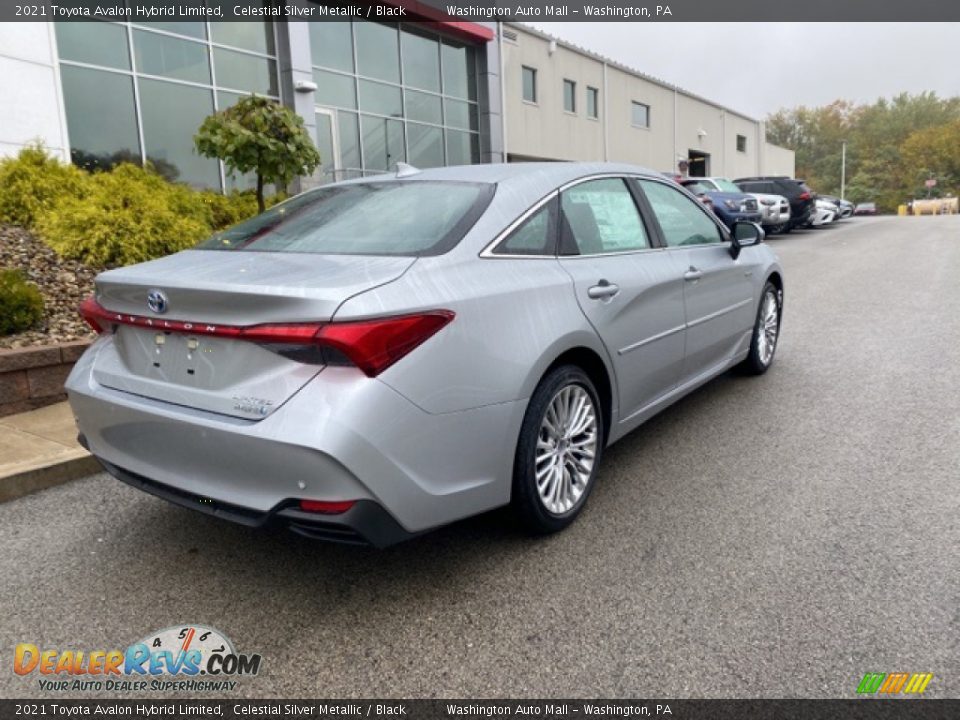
843 171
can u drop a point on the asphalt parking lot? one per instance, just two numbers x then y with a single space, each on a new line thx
769 537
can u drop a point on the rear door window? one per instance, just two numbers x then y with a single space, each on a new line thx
599 217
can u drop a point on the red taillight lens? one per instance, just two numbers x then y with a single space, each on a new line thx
804 196
93 314
375 345
327 507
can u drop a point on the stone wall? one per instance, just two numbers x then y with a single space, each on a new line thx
33 377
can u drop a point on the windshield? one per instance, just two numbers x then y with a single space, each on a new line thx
376 218
726 186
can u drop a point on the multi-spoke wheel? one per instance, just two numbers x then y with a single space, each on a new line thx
766 331
559 449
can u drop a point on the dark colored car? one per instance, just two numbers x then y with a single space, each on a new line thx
730 207
800 197
865 209
701 196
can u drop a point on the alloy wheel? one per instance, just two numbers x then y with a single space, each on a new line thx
566 449
768 328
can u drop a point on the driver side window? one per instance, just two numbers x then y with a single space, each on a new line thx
682 222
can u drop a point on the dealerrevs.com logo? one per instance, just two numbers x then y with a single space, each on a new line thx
189 658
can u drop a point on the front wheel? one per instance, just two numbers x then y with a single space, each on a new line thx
558 452
766 332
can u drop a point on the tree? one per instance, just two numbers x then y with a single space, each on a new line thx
261 136
933 153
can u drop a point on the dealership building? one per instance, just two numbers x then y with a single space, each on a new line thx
371 94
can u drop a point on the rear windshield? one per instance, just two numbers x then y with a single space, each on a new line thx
377 218
727 186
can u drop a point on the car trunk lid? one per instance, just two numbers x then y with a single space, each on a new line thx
181 354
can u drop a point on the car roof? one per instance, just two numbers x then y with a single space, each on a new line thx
546 174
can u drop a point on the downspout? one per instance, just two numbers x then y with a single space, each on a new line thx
606 143
676 154
503 93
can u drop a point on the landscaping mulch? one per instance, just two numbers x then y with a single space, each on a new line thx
63 283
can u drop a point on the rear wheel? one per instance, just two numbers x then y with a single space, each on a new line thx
781 228
558 452
766 332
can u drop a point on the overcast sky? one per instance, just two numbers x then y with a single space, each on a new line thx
758 68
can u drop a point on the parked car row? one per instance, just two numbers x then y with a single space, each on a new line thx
778 203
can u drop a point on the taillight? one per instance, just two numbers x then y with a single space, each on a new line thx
375 345
372 345
93 313
327 507
804 196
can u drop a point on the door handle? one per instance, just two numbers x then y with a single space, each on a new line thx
693 274
603 289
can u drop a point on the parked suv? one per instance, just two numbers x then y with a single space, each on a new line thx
730 207
774 209
801 198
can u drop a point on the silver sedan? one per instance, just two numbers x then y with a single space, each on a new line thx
375 358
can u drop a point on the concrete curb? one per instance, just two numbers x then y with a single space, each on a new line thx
25 482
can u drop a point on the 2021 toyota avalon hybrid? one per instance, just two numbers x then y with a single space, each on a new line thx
378 357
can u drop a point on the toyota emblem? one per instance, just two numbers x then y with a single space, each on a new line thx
157 301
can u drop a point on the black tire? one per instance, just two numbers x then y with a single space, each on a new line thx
782 228
755 364
526 499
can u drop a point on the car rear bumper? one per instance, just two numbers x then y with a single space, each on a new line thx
365 523
348 437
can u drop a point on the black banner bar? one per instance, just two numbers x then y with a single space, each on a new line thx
534 11
858 709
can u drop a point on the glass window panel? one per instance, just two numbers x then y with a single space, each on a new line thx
331 45
377 51
171 115
381 99
382 142
101 118
192 29
682 220
245 72
462 148
225 99
569 96
421 61
94 42
171 57
335 90
255 36
601 217
460 114
537 234
423 107
593 102
349 126
459 71
640 114
325 145
529 84
426 145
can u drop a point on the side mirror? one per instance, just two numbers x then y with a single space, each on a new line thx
744 234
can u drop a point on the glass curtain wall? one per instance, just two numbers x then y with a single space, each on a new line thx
138 91
398 93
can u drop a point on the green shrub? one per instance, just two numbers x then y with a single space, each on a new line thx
34 182
129 215
21 304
